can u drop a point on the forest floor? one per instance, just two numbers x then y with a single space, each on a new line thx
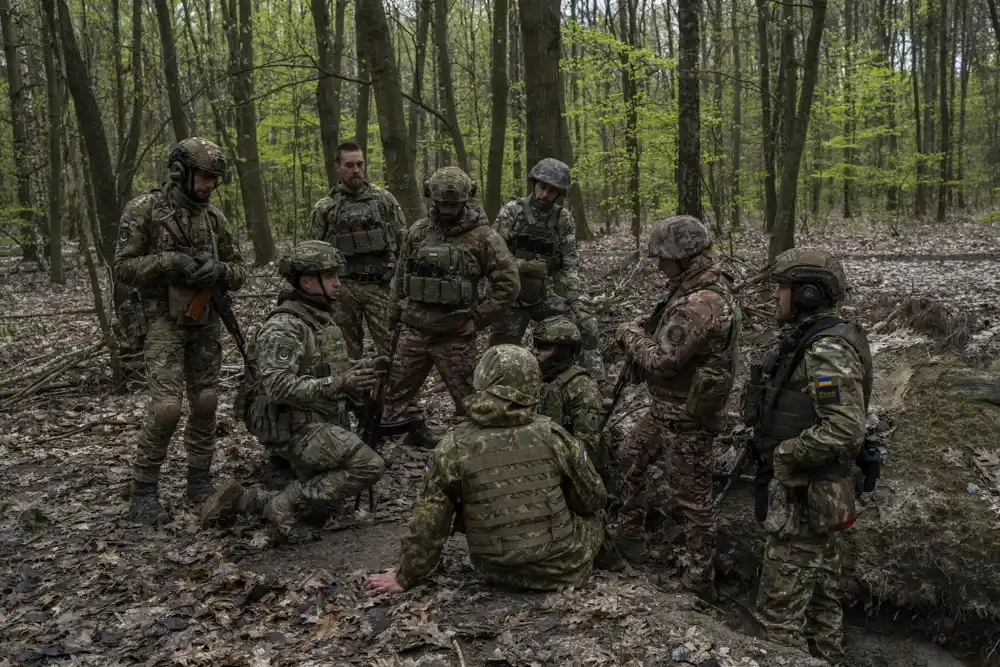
82 586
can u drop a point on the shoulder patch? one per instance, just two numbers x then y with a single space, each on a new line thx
676 334
827 391
283 352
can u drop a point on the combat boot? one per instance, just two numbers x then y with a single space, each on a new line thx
145 507
608 558
421 436
633 549
233 498
199 485
282 513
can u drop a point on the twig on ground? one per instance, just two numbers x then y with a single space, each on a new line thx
458 650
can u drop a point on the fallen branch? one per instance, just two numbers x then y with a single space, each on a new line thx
86 427
79 354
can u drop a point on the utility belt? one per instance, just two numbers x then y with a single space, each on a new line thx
371 273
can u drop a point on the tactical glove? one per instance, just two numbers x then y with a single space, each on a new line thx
381 364
182 267
360 378
207 274
532 268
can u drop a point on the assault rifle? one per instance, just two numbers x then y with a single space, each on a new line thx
371 421
748 450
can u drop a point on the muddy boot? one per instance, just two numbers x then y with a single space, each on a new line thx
199 485
233 498
420 436
633 549
282 513
145 507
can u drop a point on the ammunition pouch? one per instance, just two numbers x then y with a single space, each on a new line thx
830 504
434 276
708 393
367 242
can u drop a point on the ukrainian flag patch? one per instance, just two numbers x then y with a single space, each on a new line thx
824 382
432 253
427 468
124 223
583 452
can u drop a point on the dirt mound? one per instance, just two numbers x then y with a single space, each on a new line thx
927 540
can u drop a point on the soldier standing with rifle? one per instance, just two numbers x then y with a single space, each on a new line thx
808 403
296 405
688 362
174 248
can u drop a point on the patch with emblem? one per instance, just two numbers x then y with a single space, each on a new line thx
283 353
427 468
123 235
676 334
827 392
124 223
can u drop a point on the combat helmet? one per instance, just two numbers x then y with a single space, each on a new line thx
509 372
311 258
449 185
679 237
558 330
196 153
553 172
811 266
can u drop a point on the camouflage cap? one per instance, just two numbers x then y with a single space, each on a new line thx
811 265
679 237
311 258
199 153
558 330
552 172
509 372
450 185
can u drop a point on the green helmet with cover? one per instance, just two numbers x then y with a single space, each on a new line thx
449 185
509 372
311 258
801 266
679 237
553 172
558 330
197 153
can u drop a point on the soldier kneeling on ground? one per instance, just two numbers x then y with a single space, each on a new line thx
297 403
523 491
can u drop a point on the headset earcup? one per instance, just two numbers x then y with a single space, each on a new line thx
807 298
473 190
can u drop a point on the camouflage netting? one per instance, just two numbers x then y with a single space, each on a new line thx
930 539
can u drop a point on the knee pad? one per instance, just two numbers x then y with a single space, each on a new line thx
166 413
204 403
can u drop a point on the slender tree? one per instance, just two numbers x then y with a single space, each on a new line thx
689 112
498 120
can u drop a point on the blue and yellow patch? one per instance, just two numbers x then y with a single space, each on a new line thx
824 382
124 223
583 452
827 393
427 468
432 253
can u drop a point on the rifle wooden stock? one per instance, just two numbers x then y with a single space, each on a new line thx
197 305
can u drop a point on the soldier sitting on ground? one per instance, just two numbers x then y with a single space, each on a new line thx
522 489
297 406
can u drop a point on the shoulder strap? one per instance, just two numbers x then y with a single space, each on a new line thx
568 375
529 217
805 337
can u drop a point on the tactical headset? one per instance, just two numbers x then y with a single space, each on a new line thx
427 189
812 287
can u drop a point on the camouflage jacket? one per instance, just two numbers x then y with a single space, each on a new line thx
511 221
574 401
484 257
145 247
301 360
694 330
440 500
343 211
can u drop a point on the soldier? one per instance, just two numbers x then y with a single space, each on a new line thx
818 381
173 245
297 406
542 236
570 396
687 357
521 489
365 223
436 295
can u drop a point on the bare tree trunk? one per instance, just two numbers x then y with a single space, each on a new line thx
920 201
88 116
943 68
516 101
689 112
164 17
995 20
630 93
446 84
55 115
417 117
735 192
783 237
373 39
129 150
116 38
767 122
19 122
498 93
849 123
967 54
364 104
327 107
239 32
930 90
716 168
886 18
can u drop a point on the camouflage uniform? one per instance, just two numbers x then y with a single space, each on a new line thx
808 414
164 235
298 408
543 241
366 226
687 357
522 490
436 291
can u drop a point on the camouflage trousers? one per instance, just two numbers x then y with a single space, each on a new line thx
570 564
797 598
689 474
511 327
368 302
179 360
329 463
416 353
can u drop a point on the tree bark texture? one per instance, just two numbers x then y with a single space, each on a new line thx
498 119
129 150
417 115
783 237
239 31
446 84
630 93
374 39
364 112
767 122
168 51
920 196
850 10
735 193
689 112
944 66
328 110
53 76
967 50
516 108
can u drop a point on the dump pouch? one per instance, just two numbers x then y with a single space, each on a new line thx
831 505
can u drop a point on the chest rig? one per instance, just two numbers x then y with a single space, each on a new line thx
438 274
359 232
537 240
